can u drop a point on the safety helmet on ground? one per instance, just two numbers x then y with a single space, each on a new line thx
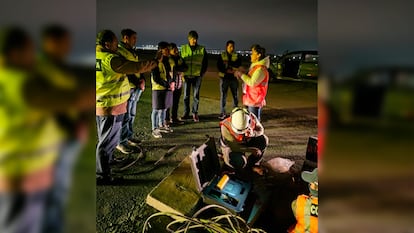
240 120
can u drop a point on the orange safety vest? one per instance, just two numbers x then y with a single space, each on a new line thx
239 137
306 213
255 96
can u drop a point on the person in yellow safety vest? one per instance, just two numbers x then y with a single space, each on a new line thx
29 135
178 66
112 94
305 207
128 142
227 62
52 65
256 81
195 56
242 133
162 83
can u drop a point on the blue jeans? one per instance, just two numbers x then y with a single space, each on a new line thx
225 84
129 117
22 212
256 110
195 83
109 131
157 118
58 195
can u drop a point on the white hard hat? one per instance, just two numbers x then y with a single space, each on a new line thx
240 120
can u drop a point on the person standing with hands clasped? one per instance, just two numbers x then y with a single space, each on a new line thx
226 63
195 56
161 83
255 82
178 66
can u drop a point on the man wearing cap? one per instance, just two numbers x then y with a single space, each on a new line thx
242 133
305 207
195 56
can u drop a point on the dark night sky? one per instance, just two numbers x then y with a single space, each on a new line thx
277 25
348 34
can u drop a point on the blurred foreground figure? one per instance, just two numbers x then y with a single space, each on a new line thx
242 133
55 48
29 136
305 207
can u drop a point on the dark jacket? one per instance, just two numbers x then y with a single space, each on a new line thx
222 67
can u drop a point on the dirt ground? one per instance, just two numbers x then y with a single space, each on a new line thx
122 208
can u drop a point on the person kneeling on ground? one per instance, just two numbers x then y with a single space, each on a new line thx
242 133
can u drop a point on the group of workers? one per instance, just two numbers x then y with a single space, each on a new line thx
120 82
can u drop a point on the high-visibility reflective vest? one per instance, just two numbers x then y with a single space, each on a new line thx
305 209
29 138
58 77
55 74
163 74
112 88
194 59
255 96
240 138
130 56
226 60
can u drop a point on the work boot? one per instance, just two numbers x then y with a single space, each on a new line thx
195 117
107 179
166 129
222 116
156 133
134 142
177 121
125 149
186 116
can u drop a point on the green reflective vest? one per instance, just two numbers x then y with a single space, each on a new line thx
130 56
226 60
29 138
112 88
194 59
163 74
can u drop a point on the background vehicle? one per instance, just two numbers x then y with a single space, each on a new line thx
296 64
384 94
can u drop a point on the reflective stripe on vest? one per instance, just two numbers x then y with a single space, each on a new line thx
29 138
306 213
238 137
227 123
225 59
194 59
55 75
130 56
112 88
163 74
255 96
